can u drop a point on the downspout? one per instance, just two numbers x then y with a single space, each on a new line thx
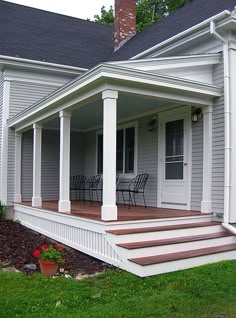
227 182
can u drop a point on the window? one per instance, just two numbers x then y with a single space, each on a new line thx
125 151
174 159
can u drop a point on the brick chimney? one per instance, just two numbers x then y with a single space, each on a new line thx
125 22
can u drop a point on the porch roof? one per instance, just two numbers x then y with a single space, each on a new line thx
90 85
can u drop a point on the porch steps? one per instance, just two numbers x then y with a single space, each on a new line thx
147 251
184 239
144 261
162 228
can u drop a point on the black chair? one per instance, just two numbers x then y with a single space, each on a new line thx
135 186
77 184
91 186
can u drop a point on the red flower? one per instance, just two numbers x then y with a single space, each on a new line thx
59 247
44 246
36 253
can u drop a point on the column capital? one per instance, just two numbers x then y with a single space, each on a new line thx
207 109
108 93
64 113
37 126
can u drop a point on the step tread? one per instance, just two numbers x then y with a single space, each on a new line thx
156 259
175 240
161 228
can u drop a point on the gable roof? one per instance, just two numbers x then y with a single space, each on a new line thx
184 18
44 36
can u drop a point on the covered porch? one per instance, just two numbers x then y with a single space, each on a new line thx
99 103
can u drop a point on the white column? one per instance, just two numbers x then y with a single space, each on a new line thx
4 142
64 204
37 153
109 208
18 143
206 205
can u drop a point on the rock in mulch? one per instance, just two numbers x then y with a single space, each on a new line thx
17 244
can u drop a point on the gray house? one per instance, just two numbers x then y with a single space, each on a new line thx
77 105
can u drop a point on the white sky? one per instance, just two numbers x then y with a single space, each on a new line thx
76 8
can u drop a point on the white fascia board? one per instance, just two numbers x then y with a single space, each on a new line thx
104 73
171 62
182 35
39 65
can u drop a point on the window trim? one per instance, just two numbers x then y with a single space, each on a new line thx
119 127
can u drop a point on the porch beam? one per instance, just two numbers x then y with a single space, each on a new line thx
206 204
18 146
109 208
37 154
64 204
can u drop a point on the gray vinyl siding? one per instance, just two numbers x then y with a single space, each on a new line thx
50 162
1 111
218 144
148 159
27 166
22 95
197 165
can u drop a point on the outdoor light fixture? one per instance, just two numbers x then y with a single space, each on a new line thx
196 115
152 124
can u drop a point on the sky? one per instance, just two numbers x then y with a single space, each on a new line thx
76 8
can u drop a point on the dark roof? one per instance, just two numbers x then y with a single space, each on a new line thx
44 36
189 15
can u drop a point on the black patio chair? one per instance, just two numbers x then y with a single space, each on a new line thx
91 186
77 184
135 186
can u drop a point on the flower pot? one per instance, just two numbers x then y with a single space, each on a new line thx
48 268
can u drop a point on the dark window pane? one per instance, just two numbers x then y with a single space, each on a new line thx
129 150
174 138
119 151
174 171
100 155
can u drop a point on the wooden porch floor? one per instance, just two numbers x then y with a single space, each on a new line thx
92 210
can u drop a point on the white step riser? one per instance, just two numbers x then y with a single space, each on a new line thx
128 238
158 222
174 248
144 271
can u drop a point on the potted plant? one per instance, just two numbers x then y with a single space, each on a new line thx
49 257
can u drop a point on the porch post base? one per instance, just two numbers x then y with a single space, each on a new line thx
17 198
109 213
37 202
206 207
64 206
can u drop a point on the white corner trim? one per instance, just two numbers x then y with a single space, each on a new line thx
4 143
206 205
18 159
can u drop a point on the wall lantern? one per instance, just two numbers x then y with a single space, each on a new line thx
152 124
196 115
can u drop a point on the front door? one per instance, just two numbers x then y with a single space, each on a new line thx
174 162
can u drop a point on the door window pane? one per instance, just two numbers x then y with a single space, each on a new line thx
129 150
174 159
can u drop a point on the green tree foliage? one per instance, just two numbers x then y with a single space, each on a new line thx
148 12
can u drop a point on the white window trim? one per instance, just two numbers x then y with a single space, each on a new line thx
122 126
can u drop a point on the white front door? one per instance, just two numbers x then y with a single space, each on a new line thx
175 158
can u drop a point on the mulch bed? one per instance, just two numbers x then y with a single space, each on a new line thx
17 244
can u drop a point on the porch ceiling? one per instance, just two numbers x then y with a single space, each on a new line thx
129 107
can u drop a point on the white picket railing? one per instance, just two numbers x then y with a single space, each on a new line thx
87 236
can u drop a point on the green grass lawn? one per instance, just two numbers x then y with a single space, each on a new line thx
207 291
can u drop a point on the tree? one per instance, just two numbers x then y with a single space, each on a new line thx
148 12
